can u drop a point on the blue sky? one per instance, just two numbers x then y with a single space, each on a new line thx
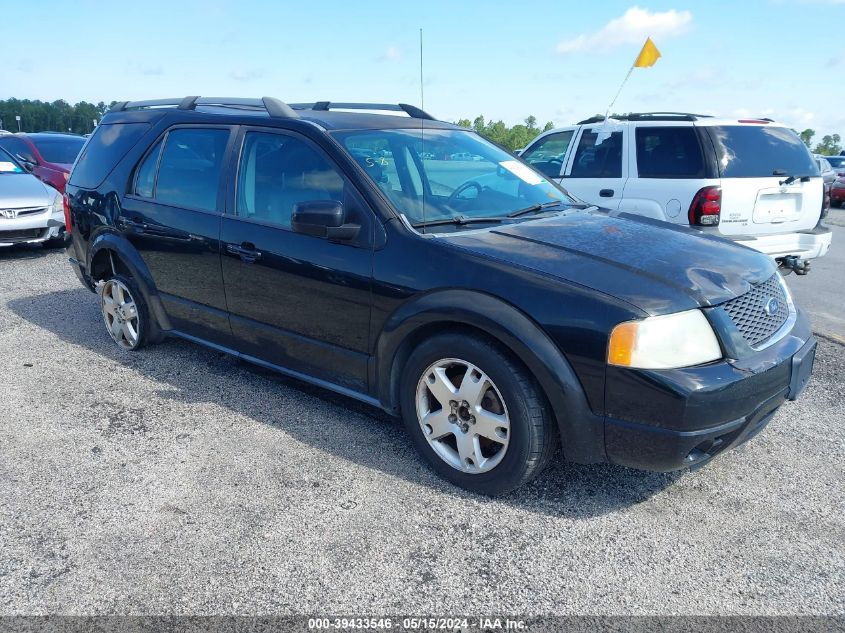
558 60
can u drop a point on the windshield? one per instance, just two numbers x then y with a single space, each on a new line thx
433 175
8 164
751 151
836 161
61 149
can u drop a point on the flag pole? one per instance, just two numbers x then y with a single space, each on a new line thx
618 92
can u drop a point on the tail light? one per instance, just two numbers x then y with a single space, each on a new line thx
706 207
825 203
68 222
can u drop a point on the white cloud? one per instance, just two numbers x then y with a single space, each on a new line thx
246 74
632 28
391 54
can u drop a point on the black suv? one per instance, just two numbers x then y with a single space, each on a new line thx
411 264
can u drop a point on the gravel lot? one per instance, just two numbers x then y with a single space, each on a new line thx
178 480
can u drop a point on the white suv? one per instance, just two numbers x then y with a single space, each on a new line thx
752 181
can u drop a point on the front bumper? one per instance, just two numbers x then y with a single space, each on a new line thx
669 419
31 229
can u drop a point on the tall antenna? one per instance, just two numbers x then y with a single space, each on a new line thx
422 95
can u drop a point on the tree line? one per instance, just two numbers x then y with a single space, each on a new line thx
58 116
829 145
516 137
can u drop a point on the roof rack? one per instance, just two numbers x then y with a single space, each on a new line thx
648 116
273 106
324 106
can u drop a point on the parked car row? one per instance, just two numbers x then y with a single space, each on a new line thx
34 169
501 317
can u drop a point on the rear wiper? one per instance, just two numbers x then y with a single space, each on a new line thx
537 208
789 179
459 220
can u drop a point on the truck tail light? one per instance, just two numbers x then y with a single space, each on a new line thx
825 202
706 207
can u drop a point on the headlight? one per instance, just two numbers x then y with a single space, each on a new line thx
58 206
675 340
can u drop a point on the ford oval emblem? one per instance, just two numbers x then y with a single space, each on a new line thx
771 307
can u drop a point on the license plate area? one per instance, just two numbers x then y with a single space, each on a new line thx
775 208
802 369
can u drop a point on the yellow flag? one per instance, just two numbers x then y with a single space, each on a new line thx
648 55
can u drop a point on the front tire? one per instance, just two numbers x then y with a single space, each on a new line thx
475 414
125 312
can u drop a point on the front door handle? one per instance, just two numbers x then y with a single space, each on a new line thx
246 251
606 193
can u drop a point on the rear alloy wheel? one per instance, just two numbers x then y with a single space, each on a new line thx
476 414
124 312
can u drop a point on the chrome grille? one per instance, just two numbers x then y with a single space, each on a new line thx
750 316
11 214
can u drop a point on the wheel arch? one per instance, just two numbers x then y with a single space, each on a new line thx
581 431
111 252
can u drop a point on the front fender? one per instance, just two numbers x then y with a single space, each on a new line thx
131 258
581 431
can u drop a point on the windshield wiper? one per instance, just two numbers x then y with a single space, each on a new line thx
539 208
460 220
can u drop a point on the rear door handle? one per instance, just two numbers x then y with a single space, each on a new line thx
246 251
606 193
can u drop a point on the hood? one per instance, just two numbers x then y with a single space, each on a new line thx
24 190
656 266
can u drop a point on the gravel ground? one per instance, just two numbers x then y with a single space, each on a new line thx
180 481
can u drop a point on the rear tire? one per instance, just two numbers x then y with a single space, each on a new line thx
125 312
475 414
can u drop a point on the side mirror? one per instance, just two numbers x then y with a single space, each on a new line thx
323 218
27 164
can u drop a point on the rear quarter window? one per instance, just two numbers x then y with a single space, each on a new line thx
669 152
759 151
103 151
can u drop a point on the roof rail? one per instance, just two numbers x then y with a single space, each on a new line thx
274 107
324 106
648 116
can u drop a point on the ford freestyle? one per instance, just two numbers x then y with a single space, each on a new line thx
501 318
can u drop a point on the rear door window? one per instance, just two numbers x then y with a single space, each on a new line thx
669 152
548 154
103 151
599 155
758 151
190 167
146 177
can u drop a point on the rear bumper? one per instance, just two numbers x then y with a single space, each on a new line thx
696 413
808 244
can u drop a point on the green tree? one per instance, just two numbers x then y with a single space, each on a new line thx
58 116
512 138
807 136
829 146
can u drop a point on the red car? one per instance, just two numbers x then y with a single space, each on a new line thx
48 155
837 192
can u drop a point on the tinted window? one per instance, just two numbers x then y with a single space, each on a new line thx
277 172
145 180
548 154
836 161
103 152
17 148
190 166
746 151
599 155
61 149
669 152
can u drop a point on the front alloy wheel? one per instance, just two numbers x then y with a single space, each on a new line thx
475 413
462 415
121 313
